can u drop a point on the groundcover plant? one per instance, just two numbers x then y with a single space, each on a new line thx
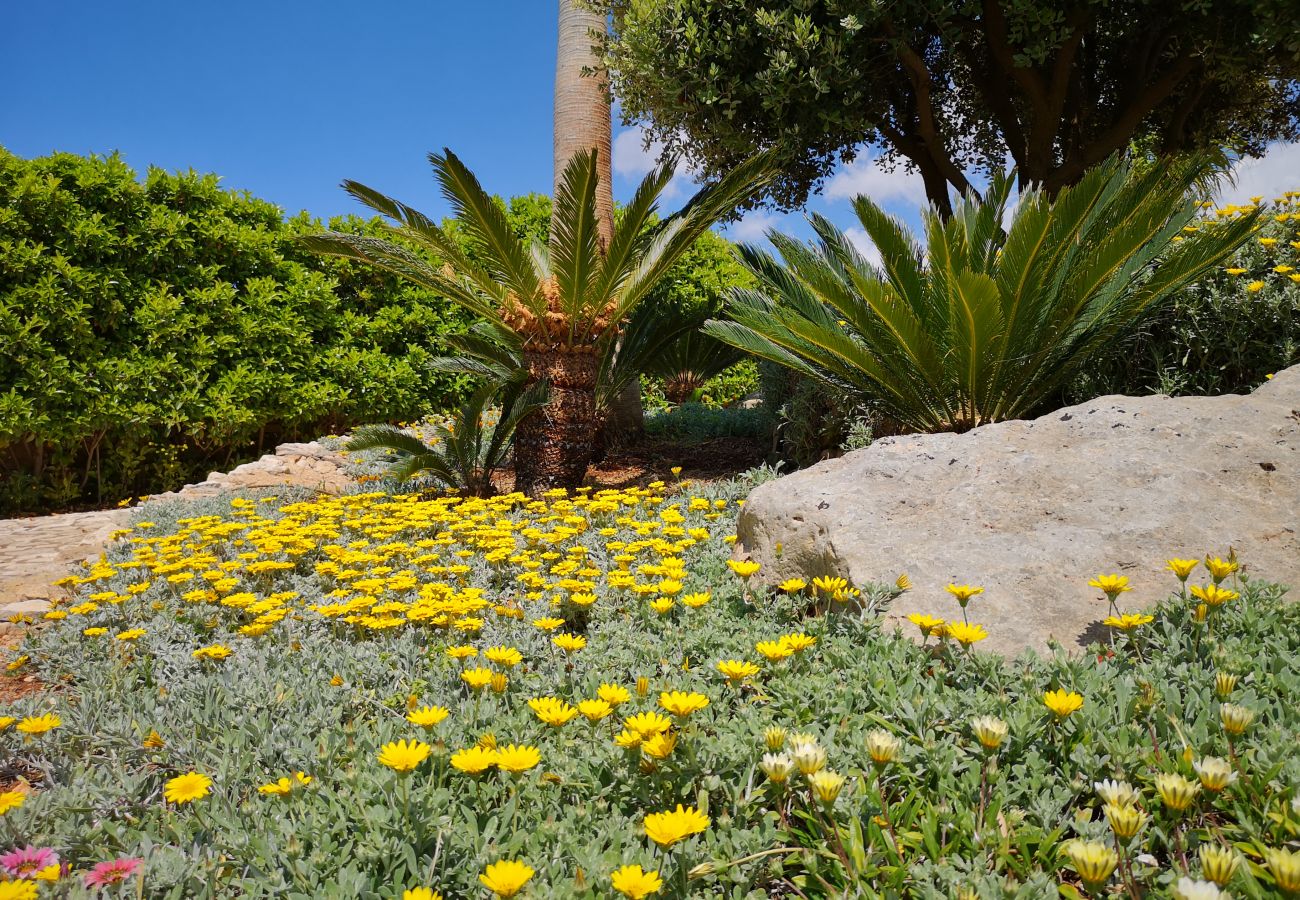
405 695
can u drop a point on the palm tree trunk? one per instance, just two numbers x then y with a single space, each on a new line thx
553 447
582 122
582 106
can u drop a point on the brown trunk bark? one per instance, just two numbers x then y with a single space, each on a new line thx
554 446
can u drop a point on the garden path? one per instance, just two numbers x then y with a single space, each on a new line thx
37 551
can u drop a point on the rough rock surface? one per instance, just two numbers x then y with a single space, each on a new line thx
1031 510
36 551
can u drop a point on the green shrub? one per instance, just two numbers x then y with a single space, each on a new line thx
155 329
1218 336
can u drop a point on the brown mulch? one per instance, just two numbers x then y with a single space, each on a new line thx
17 687
653 460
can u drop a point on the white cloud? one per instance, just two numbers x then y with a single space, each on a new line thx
634 159
1277 171
753 226
864 244
864 176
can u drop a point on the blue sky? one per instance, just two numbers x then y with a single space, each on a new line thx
285 99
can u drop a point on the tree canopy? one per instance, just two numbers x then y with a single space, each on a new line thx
953 87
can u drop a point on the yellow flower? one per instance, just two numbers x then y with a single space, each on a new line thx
793 585
798 641
1063 703
659 746
667 828
1235 271
404 756
503 656
808 756
635 883
963 592
569 643
506 878
20 889
1093 861
965 634
421 893
990 731
11 800
1125 821
737 670
477 678
1181 567
552 711
34 725
214 652
6 721
427 716
281 788
1285 868
1235 719
130 634
882 747
548 624
1213 595
1127 622
826 785
595 710
187 788
516 759
828 584
1176 792
648 723
628 740
1267 242
95 632
662 605
903 583
1110 585
774 737
1219 864
1224 682
927 624
613 694
1221 569
474 760
1255 287
773 651
462 651
1215 774
743 568
682 703
695 601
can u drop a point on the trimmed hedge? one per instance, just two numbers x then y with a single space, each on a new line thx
154 329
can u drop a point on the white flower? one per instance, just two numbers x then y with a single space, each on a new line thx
1188 889
1116 793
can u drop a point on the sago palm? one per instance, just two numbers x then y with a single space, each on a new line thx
561 301
467 450
982 324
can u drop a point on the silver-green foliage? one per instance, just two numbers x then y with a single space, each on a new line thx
981 323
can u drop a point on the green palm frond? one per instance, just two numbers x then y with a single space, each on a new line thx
986 324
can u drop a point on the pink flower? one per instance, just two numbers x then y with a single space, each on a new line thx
28 861
113 871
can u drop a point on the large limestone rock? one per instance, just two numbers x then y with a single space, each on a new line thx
1032 509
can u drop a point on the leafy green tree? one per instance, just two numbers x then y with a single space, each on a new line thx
953 86
985 325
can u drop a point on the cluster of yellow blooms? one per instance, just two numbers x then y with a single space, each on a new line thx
1284 209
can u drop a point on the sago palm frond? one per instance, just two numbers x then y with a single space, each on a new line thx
986 324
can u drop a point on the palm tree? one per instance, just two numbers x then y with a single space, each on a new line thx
582 123
983 324
556 305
